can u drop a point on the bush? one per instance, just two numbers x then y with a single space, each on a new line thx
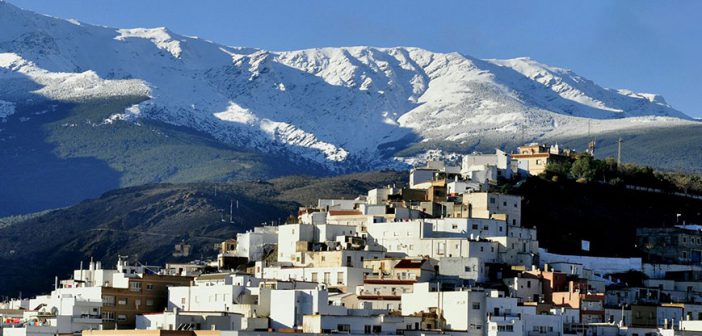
584 168
561 168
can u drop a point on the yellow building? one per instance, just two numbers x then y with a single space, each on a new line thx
535 157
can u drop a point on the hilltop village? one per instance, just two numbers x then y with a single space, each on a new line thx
445 255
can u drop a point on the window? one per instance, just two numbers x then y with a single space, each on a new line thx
454 226
476 305
343 328
504 203
122 301
506 328
121 317
367 329
475 226
135 286
149 286
339 278
467 268
492 200
150 302
314 277
108 316
108 301
327 277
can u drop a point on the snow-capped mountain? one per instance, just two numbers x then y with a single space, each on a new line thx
347 108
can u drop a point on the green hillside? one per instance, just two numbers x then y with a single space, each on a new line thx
57 155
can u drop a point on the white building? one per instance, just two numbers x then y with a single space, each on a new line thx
461 310
360 325
344 278
254 244
178 320
290 306
494 205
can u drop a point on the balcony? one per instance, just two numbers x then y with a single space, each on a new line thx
88 319
389 279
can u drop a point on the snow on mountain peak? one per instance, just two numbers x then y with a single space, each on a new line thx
160 37
331 105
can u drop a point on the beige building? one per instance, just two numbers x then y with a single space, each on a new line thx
494 206
535 157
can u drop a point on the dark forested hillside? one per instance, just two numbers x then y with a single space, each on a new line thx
566 212
146 222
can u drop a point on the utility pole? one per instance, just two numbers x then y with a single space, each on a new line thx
588 129
619 152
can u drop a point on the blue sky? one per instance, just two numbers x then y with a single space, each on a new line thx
645 46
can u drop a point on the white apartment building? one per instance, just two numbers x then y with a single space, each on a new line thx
343 278
492 205
179 320
474 162
467 227
416 238
525 287
381 196
466 268
360 325
462 310
254 244
292 305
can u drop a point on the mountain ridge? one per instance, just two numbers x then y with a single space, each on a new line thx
349 108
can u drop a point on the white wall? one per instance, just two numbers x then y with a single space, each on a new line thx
463 310
289 306
599 264
288 236
463 268
251 244
349 277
